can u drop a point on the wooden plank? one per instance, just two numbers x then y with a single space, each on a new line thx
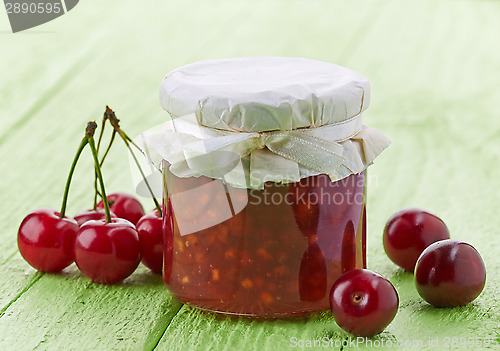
28 84
433 68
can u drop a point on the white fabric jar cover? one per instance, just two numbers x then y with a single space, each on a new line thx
252 120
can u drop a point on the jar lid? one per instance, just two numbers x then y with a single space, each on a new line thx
258 94
248 121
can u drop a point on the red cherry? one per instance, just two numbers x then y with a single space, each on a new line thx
150 229
124 206
363 302
450 273
87 215
107 252
45 240
408 232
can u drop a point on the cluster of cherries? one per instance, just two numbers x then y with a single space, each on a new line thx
448 273
107 242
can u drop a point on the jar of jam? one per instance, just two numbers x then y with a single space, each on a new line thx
264 171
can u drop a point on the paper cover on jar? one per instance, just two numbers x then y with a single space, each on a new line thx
260 94
251 120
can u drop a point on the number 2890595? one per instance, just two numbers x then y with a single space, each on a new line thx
27 7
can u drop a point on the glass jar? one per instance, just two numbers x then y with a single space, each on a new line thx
264 174
278 256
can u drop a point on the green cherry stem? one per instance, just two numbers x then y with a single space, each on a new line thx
101 133
88 131
96 191
115 122
158 207
99 176
108 148
133 144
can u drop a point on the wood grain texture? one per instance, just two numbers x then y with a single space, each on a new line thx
434 70
67 311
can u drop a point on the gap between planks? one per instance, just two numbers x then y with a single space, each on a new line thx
151 345
36 278
9 257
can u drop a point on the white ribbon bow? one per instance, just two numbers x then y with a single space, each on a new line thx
194 150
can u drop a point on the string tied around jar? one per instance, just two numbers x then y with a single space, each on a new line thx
261 140
249 159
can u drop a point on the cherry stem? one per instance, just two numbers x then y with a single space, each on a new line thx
96 191
115 122
158 207
134 144
99 176
108 148
70 176
104 118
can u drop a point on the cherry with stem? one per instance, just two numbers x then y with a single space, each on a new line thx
45 237
107 250
95 212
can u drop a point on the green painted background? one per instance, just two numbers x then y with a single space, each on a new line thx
434 66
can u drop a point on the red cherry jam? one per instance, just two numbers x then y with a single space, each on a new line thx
264 253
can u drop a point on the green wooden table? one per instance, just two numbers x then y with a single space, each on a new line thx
434 66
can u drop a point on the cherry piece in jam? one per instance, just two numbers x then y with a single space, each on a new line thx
312 274
306 212
408 232
450 273
363 302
